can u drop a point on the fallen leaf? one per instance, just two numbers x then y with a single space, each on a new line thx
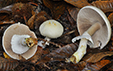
78 3
92 58
30 22
8 64
38 54
57 8
105 6
81 65
4 3
21 12
96 66
5 15
73 12
110 18
60 54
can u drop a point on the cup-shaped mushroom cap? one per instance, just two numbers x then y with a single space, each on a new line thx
90 15
51 29
17 29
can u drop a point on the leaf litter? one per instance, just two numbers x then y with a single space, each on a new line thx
52 58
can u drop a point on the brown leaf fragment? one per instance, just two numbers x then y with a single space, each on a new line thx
57 8
98 56
78 3
38 54
96 66
81 65
21 12
105 6
64 52
5 15
30 22
110 68
8 64
60 54
110 18
73 12
62 70
4 3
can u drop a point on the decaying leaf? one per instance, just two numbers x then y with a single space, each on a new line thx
30 22
57 9
110 18
73 12
35 21
110 67
60 54
78 3
38 54
4 3
21 12
105 6
8 64
5 15
97 66
81 65
92 58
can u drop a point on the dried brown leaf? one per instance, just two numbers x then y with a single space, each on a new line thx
38 54
5 15
37 19
78 3
73 12
57 8
105 6
110 18
92 58
81 65
4 3
60 54
21 12
8 64
96 66
30 22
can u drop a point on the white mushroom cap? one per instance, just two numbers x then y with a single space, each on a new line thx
90 15
17 29
18 44
51 29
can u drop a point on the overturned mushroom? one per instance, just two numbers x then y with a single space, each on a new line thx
13 41
94 29
50 29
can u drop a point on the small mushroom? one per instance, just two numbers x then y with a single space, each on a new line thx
13 42
50 29
94 28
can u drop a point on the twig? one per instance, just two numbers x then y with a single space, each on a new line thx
57 45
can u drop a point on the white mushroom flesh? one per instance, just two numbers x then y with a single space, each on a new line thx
18 45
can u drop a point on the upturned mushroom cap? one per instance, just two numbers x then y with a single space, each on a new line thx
90 15
17 29
51 29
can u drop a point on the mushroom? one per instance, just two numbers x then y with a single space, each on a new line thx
50 29
13 41
94 28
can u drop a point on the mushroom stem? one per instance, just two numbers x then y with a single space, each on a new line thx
77 56
93 28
